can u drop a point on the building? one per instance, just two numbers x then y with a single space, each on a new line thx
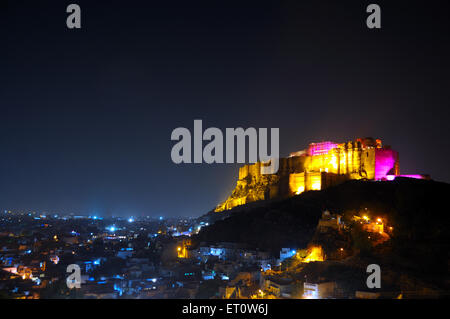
319 290
319 166
279 287
329 221
329 163
286 253
183 248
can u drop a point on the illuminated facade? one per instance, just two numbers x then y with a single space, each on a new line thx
329 163
315 253
319 166
183 248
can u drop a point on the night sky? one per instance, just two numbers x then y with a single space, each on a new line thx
86 115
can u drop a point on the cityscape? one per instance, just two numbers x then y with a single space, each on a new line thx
218 159
152 259
204 258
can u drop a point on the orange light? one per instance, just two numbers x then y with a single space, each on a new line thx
316 254
300 190
316 186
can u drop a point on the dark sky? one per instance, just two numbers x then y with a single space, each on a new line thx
86 115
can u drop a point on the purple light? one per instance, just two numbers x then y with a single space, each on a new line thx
415 176
385 163
321 148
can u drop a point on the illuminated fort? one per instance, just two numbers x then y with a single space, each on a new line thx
319 166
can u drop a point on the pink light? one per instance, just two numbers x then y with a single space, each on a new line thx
415 176
385 163
321 148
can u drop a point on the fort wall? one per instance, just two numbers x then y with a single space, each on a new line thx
319 166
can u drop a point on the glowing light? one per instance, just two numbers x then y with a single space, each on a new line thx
315 186
131 219
333 162
300 190
55 259
315 254
182 251
385 162
321 148
415 176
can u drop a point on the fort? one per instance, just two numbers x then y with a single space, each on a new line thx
321 165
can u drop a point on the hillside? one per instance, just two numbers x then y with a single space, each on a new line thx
417 210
